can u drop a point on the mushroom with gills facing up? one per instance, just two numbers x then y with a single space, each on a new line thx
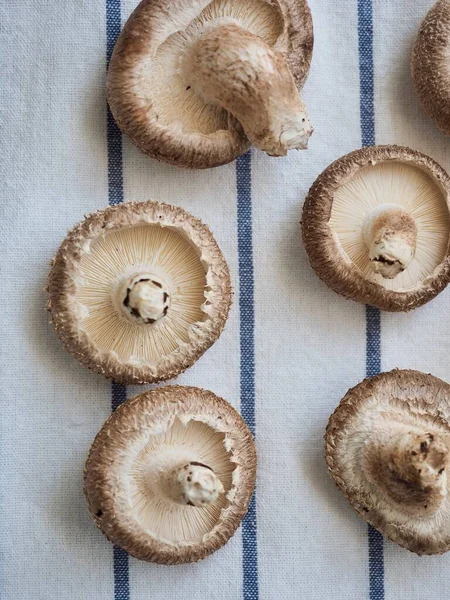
194 84
430 67
376 227
387 449
139 291
171 474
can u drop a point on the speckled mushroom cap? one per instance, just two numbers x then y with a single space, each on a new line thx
387 449
139 291
144 440
430 65
150 92
349 194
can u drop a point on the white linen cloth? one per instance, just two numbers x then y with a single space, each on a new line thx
310 344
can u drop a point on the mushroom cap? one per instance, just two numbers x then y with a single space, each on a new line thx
365 413
430 66
148 95
92 268
333 225
147 434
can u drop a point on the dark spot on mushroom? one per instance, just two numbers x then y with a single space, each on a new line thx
165 297
426 506
135 313
150 320
303 120
199 464
189 479
99 513
188 88
189 503
414 453
144 279
386 261
127 299
430 437
166 308
154 282
441 471
365 509
423 447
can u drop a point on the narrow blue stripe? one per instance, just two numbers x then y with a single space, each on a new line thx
247 355
115 196
373 320
366 95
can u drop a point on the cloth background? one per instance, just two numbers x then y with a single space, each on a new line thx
309 345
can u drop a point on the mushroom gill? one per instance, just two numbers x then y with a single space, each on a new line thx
116 266
392 221
138 292
170 474
164 498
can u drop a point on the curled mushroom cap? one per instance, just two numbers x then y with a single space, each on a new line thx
139 291
430 66
387 449
195 83
376 227
170 475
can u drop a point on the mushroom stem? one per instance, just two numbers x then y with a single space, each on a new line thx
144 298
229 66
194 484
390 235
412 470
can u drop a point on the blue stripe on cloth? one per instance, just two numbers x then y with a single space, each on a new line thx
115 196
373 320
247 356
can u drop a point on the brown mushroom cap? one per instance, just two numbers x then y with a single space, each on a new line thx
147 92
144 438
338 205
94 277
430 66
412 509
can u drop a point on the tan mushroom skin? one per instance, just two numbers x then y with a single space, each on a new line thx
387 448
430 65
171 474
411 468
234 68
139 291
376 227
196 83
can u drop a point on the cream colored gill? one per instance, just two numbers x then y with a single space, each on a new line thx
151 506
117 257
393 182
161 84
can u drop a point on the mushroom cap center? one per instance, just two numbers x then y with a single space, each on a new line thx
390 234
145 298
194 484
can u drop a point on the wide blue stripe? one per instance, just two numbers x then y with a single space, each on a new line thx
373 321
247 356
115 196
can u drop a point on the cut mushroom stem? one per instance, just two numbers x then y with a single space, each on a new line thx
144 298
230 66
390 235
193 483
413 470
